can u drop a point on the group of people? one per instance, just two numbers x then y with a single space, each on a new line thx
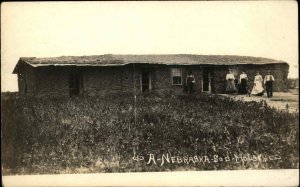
258 88
243 88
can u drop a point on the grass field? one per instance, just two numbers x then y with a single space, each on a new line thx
112 134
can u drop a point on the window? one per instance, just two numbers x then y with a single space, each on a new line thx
176 76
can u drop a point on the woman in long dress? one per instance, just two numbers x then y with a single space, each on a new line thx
230 88
258 89
243 83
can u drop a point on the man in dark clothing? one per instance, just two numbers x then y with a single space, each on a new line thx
190 81
268 81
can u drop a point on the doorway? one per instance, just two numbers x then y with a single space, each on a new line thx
75 84
146 83
207 80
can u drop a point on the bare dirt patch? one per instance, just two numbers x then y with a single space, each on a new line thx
280 100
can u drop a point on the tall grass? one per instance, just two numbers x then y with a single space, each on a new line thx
82 135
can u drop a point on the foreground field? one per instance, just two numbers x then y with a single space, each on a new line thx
113 134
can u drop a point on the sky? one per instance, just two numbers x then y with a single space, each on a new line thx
49 29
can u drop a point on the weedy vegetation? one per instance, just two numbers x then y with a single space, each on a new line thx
100 134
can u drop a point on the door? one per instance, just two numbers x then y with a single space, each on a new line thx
206 80
146 83
75 84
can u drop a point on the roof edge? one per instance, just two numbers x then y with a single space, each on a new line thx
20 61
28 61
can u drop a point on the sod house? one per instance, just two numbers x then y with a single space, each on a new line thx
105 74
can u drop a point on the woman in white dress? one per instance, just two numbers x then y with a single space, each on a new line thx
258 89
230 88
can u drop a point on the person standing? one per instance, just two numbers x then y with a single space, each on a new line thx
268 81
230 88
258 89
190 81
243 83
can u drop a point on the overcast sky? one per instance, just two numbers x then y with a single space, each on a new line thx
259 28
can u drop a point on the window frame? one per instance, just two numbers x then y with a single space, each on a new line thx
172 77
